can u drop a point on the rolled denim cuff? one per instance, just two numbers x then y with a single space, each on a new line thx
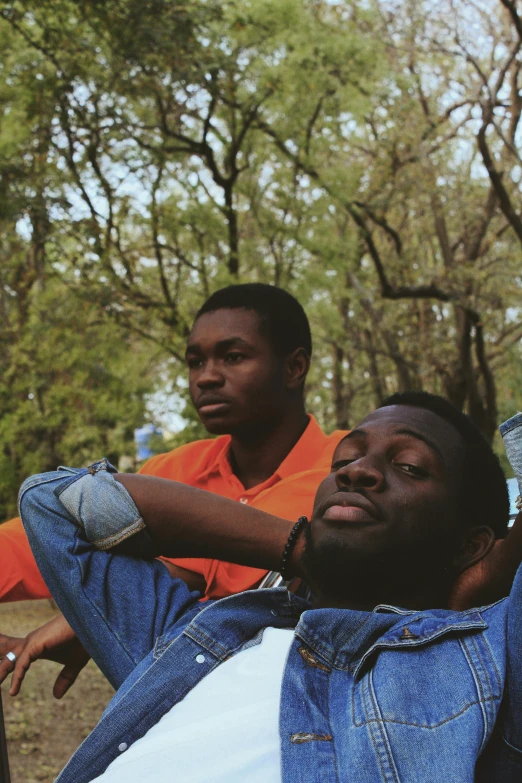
101 506
511 431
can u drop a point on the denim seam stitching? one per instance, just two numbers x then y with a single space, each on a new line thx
360 723
121 535
369 724
27 485
401 644
489 654
326 652
333 746
478 684
100 614
488 679
165 701
382 728
424 726
373 724
207 641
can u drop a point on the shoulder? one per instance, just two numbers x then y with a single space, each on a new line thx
186 461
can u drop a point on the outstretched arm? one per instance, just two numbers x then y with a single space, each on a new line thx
186 522
82 525
145 515
157 516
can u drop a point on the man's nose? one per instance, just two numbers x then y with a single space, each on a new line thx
210 376
359 474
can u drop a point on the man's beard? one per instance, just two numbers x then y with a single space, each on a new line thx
341 576
334 570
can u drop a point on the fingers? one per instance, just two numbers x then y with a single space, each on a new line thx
67 677
21 666
6 667
8 643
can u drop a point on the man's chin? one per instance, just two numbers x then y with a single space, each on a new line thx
218 424
338 568
217 427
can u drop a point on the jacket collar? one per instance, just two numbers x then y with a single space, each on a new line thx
341 638
346 639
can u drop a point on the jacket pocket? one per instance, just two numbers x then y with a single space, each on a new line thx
428 685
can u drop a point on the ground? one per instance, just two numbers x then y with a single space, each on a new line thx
42 733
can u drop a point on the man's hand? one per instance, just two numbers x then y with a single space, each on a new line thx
54 641
491 578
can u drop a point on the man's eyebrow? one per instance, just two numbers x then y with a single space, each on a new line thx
222 345
402 431
355 433
414 434
351 434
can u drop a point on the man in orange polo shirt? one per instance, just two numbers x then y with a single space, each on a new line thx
248 356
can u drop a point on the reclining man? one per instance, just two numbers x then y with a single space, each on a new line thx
377 681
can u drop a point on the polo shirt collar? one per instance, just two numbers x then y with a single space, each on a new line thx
302 457
306 451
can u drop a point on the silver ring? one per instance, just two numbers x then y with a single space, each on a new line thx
11 657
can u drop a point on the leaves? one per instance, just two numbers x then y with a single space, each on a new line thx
363 155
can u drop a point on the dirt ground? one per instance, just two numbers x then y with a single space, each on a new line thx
43 733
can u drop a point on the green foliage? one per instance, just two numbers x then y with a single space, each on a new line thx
364 155
74 387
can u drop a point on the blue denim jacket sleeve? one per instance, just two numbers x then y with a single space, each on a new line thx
101 506
119 606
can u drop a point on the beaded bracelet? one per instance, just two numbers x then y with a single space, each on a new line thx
292 538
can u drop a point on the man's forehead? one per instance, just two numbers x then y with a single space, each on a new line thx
427 425
227 319
225 324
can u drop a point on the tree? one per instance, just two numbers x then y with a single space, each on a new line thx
363 155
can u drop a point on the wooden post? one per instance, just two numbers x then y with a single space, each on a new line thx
5 776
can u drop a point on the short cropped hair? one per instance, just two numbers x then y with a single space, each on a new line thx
282 318
484 498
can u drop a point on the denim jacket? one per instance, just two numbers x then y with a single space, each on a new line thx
389 696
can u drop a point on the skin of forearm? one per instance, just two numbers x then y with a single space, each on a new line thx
183 521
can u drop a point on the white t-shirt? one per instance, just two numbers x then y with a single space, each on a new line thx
225 730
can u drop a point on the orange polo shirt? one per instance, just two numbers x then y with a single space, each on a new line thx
288 493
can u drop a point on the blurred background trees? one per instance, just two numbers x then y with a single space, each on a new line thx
364 155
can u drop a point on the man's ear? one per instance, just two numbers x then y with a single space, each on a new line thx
297 365
475 546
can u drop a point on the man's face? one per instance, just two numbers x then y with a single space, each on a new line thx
236 380
387 513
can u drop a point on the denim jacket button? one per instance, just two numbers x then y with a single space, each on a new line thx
122 746
200 659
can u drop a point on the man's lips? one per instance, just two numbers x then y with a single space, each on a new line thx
349 507
210 405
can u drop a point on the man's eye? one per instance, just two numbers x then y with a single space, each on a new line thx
194 364
234 358
412 470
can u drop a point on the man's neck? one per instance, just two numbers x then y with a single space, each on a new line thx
256 455
418 599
